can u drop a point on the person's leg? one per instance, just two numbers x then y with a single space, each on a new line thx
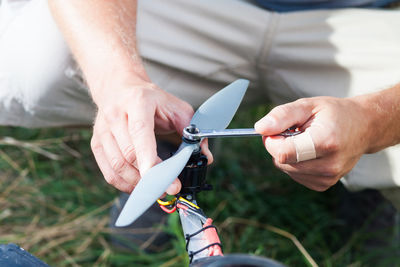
39 83
194 48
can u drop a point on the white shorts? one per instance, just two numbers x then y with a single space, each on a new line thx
192 48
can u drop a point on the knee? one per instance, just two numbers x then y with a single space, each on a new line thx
33 53
33 57
34 65
33 83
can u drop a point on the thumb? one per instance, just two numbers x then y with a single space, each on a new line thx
182 119
285 116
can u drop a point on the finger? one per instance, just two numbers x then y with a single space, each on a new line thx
317 167
109 175
281 149
118 125
206 151
116 160
174 115
174 188
285 116
141 132
182 114
313 182
291 149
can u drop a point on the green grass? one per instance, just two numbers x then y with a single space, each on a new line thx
55 203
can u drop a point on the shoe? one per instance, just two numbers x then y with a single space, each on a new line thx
374 221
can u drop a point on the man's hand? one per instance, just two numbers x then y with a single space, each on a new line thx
123 140
340 129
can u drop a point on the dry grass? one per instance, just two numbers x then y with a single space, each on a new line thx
54 203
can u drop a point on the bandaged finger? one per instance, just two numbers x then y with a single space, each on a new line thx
305 149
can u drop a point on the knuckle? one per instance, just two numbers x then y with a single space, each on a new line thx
111 179
118 164
282 157
129 153
332 144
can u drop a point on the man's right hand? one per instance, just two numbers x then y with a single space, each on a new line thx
123 141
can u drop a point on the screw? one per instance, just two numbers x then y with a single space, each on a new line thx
192 129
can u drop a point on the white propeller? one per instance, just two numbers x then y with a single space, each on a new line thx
215 113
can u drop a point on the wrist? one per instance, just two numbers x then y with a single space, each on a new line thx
382 115
99 72
370 119
104 83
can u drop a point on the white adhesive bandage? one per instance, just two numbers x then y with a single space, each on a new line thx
304 145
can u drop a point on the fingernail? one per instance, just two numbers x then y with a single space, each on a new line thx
264 124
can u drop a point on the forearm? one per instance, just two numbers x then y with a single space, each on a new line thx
382 111
101 35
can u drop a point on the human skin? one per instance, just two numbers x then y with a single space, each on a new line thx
131 109
343 129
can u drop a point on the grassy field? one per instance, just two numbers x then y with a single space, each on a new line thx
55 203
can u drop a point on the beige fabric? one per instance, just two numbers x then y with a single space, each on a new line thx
193 48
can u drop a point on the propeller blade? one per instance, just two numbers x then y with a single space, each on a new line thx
153 184
217 112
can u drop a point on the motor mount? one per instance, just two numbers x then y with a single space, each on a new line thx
193 176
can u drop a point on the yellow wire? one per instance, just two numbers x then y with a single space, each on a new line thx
166 203
190 203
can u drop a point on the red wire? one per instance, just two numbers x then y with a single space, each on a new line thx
168 210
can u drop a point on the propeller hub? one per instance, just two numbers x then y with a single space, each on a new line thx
191 134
